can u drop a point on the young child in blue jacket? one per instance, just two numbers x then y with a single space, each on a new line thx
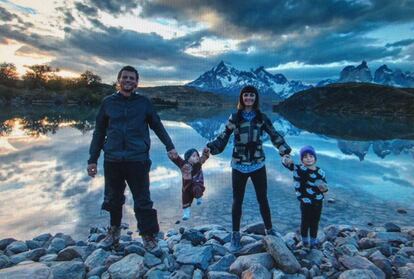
310 186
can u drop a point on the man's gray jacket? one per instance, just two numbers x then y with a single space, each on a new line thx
121 129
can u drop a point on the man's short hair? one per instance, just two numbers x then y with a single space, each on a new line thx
129 69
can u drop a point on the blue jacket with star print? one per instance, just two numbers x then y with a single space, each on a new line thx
306 183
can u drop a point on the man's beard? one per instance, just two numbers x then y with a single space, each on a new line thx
129 90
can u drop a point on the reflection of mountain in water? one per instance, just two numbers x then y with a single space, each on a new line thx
352 127
355 135
380 148
210 127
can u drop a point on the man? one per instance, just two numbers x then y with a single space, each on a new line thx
122 132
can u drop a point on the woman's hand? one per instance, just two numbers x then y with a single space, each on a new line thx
323 187
287 160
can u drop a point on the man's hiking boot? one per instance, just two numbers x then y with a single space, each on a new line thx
235 242
150 242
111 239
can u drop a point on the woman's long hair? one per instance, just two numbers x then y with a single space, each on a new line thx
250 89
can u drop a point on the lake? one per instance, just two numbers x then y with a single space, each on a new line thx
44 186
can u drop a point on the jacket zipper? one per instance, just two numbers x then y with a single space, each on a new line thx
125 127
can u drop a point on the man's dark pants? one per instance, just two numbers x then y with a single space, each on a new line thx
136 174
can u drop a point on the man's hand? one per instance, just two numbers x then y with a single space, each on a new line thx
206 151
92 170
287 160
172 154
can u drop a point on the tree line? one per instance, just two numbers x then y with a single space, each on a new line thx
45 77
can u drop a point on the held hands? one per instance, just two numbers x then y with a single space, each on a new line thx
172 154
323 187
92 170
206 151
287 160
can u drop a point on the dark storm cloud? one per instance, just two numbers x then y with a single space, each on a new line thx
6 15
86 10
97 23
278 17
323 49
323 32
402 43
45 43
114 7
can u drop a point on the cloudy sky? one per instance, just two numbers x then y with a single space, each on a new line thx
173 42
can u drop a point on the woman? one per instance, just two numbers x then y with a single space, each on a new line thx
248 124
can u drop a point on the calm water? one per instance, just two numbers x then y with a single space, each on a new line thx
44 186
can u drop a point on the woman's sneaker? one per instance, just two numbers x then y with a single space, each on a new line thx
186 213
304 243
235 242
271 232
314 243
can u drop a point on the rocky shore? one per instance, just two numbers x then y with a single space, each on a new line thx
202 252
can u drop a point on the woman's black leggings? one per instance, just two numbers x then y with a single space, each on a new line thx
259 180
311 214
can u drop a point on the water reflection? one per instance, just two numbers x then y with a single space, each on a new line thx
44 187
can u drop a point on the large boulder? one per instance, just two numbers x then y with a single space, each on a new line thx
358 262
252 248
223 264
196 237
209 227
381 262
150 260
357 273
406 272
97 258
4 261
6 242
130 267
35 255
283 257
392 237
57 244
157 274
16 247
366 243
221 275
27 270
43 237
256 271
69 270
245 262
68 254
391 227
255 228
198 256
219 235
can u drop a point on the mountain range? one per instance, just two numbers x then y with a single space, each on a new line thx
228 80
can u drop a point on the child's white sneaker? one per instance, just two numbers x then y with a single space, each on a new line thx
186 213
199 201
